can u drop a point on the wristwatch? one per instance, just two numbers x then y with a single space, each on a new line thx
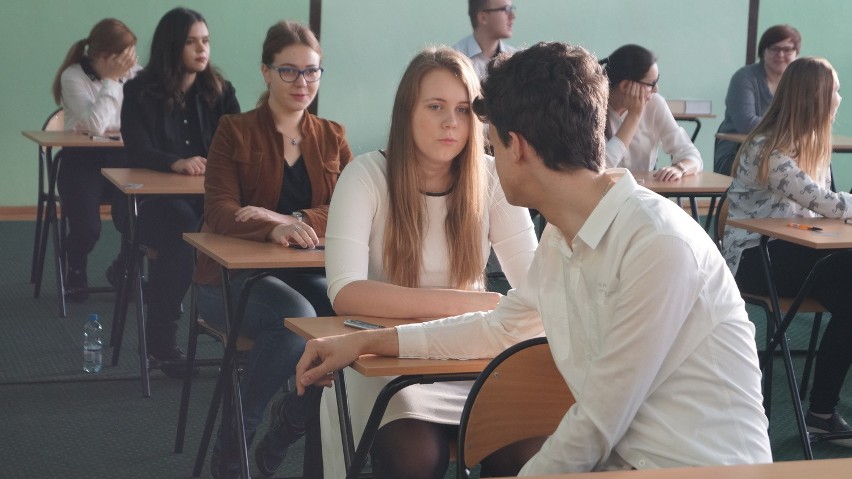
298 215
680 166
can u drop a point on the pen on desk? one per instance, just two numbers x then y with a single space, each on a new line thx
804 227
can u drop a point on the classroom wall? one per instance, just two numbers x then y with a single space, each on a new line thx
367 44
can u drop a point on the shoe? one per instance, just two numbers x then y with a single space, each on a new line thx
76 285
834 424
171 361
272 450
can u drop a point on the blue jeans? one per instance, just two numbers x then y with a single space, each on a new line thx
276 349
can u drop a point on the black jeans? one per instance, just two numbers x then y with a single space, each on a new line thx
82 189
791 264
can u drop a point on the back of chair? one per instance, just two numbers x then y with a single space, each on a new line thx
55 122
519 395
721 219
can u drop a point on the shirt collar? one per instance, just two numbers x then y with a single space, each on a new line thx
597 224
86 65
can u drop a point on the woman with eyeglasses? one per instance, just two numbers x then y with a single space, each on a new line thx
639 120
409 232
270 176
752 88
169 115
782 171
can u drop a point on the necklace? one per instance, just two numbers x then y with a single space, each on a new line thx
292 140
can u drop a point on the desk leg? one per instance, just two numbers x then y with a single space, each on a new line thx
49 220
344 418
694 208
710 214
785 347
41 199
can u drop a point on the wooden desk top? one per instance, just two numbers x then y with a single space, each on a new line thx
692 116
142 181
69 138
235 253
834 235
819 469
701 182
369 365
839 143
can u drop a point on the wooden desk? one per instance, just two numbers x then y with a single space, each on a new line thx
839 143
136 182
835 235
46 216
694 118
821 469
408 372
238 254
701 184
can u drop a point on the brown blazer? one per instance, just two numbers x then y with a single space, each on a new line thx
245 167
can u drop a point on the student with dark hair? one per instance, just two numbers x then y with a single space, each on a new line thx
492 22
270 176
782 171
639 120
88 85
644 320
752 88
170 113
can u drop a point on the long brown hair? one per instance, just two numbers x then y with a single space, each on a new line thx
406 223
109 36
280 36
798 121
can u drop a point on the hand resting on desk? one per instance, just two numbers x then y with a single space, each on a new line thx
326 355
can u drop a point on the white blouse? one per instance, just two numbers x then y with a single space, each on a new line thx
91 105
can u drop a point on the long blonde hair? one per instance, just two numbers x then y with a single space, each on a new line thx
406 222
798 121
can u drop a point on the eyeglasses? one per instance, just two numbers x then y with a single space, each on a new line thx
290 74
507 9
653 84
776 50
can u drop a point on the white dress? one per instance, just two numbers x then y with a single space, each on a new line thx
354 239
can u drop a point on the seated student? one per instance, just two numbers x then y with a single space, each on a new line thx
782 171
88 85
645 322
752 87
639 118
408 236
170 113
492 22
270 175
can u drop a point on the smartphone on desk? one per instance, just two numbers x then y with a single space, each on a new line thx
358 324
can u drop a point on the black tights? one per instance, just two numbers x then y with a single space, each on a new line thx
414 449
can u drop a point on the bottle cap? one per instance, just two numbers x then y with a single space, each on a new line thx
93 316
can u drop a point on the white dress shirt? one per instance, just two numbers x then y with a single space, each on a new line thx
648 329
656 127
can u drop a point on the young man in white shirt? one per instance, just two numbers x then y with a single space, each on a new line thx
492 22
643 317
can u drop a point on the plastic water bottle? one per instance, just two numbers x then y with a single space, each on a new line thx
92 345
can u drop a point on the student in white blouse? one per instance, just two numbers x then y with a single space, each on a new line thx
645 321
639 120
88 85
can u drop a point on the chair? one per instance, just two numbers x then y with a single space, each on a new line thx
519 395
54 122
809 305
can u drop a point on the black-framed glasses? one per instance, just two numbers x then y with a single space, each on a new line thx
776 50
652 84
508 9
290 74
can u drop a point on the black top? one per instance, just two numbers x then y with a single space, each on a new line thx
295 188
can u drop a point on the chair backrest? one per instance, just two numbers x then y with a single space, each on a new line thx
721 215
519 395
55 122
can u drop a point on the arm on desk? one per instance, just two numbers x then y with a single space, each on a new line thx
374 298
138 124
327 355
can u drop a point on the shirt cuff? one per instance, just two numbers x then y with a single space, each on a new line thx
412 341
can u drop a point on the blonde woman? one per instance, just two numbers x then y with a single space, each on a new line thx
782 171
408 236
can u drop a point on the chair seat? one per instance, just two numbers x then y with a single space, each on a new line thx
809 305
243 343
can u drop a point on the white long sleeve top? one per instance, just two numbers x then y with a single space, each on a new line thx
646 325
656 127
91 104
